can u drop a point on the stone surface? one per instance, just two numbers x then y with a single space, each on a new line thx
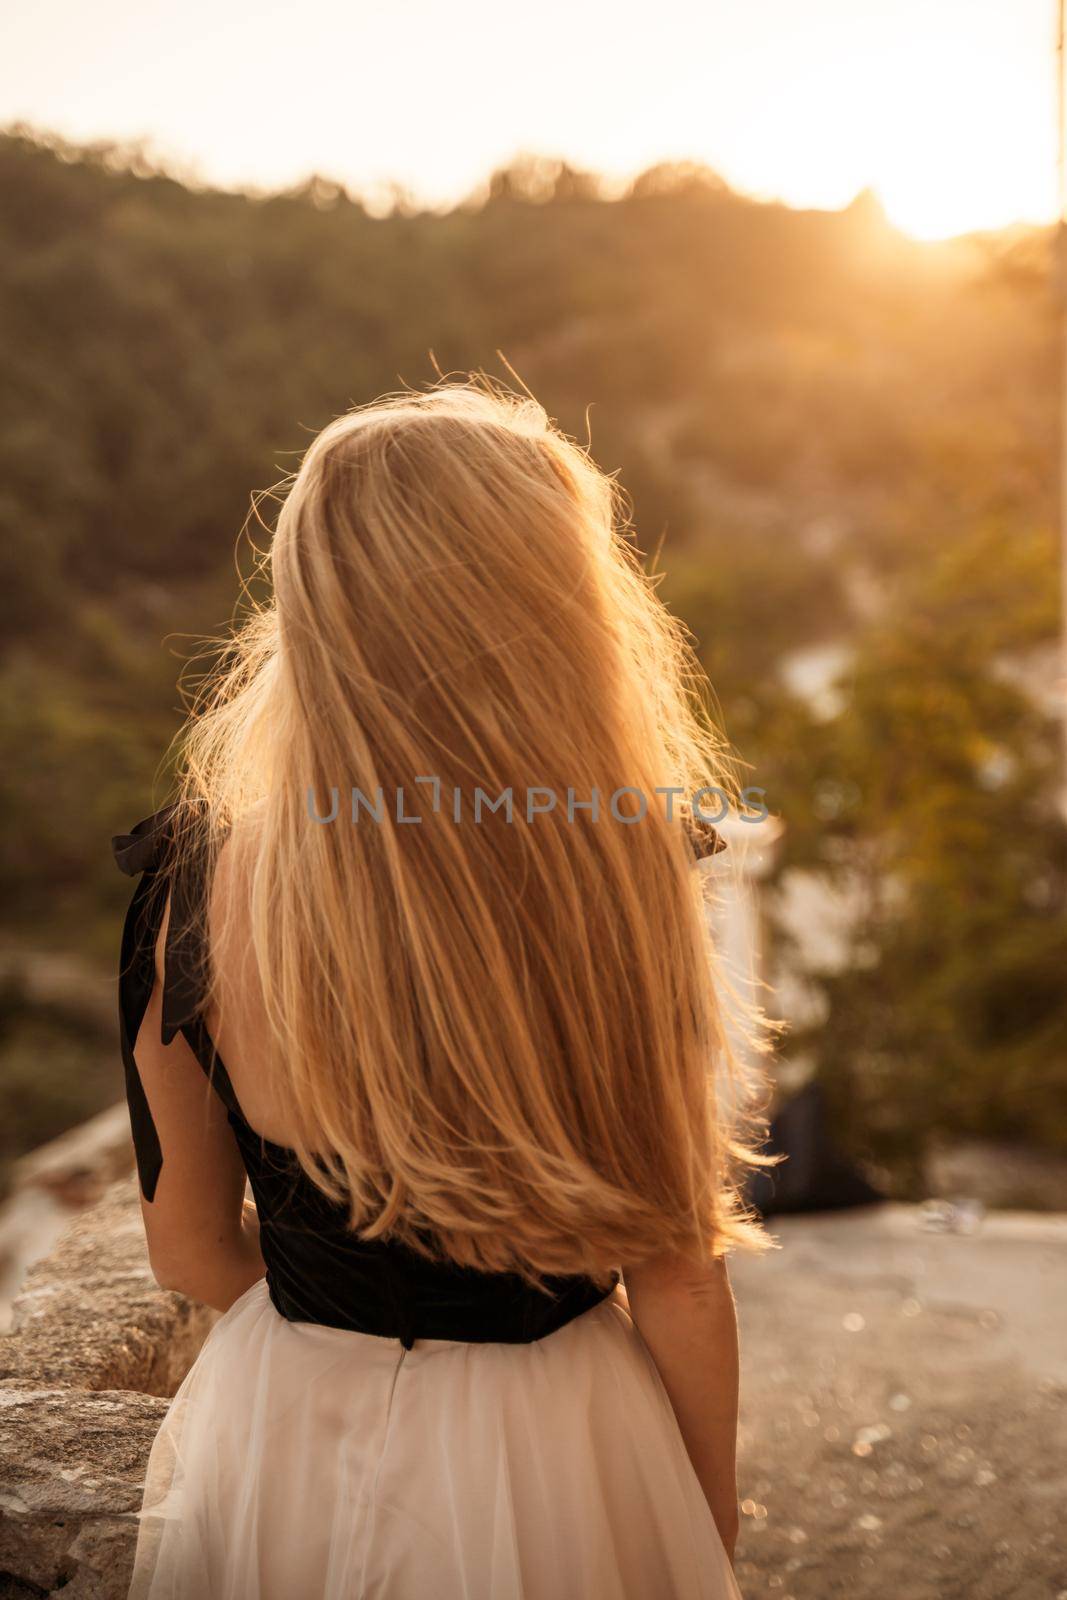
94 1351
50 1185
90 1316
83 1162
904 1416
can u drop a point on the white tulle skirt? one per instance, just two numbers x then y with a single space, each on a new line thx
307 1463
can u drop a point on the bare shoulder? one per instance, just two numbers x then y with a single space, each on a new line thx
236 1013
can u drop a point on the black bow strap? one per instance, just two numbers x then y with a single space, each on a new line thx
144 847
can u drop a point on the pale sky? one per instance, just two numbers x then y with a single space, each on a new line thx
945 107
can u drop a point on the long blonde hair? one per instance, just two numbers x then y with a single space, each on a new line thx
497 1040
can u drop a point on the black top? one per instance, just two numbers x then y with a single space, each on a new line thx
317 1269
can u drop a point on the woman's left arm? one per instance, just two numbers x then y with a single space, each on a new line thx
203 1237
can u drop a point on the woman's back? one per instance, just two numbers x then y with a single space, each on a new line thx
451 752
236 1017
417 951
317 1269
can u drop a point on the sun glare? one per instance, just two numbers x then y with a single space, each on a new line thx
946 108
932 199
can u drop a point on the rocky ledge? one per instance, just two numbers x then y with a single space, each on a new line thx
94 1351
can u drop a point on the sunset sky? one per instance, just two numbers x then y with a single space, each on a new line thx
945 107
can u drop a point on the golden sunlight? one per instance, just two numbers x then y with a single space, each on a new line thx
946 108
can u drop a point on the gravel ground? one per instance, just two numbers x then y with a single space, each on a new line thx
904 1409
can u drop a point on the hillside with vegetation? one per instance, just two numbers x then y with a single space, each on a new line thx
833 438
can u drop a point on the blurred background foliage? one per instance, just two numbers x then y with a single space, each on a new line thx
840 445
